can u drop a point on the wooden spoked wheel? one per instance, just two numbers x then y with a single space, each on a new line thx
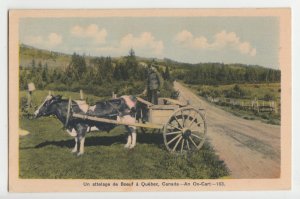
185 130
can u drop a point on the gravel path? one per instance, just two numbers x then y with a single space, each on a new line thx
250 149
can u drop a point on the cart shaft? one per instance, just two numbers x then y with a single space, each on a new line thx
98 119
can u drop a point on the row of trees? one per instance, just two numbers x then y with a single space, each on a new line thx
127 75
99 75
216 73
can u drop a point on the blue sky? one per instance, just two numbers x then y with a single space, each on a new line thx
247 40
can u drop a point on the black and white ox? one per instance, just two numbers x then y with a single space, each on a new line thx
120 109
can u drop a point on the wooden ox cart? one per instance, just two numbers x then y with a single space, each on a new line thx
183 126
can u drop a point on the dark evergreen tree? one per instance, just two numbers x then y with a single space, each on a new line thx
77 67
131 65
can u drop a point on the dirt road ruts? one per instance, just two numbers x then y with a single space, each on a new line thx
250 149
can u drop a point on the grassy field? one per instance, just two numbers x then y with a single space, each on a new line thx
251 91
263 93
53 59
45 153
39 96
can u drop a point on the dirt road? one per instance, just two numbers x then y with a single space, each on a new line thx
250 149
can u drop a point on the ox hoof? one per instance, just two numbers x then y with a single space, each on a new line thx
126 146
131 146
73 151
79 154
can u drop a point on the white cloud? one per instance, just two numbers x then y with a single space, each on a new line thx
145 41
54 39
144 44
187 39
184 36
253 52
51 40
90 31
222 40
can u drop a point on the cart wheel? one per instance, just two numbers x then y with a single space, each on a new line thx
185 130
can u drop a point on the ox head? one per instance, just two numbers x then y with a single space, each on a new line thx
45 108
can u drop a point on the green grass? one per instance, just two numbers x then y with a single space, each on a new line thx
266 117
252 91
27 54
39 96
45 153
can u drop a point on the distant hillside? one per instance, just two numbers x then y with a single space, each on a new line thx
220 73
121 68
29 55
99 76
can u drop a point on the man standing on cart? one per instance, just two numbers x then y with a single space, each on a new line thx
153 84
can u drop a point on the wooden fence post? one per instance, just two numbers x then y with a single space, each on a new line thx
31 88
81 95
114 96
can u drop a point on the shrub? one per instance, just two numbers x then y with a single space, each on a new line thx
269 96
235 92
167 90
57 86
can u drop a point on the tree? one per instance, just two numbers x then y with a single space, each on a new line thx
98 65
45 74
39 66
117 74
108 69
77 66
131 53
166 74
131 65
33 67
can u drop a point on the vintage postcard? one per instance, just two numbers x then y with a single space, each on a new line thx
149 100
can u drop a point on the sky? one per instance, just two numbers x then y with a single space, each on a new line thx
246 40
